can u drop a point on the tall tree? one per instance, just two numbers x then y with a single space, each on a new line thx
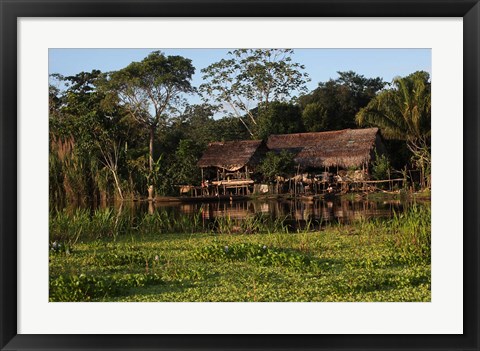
362 89
334 103
185 170
404 113
82 117
197 124
151 90
252 77
230 128
278 118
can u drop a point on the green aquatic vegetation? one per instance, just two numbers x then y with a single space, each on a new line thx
69 227
253 224
125 259
411 234
161 222
85 288
368 260
257 253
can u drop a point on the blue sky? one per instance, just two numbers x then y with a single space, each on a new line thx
320 64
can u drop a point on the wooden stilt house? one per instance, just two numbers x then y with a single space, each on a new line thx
227 166
323 159
341 156
348 148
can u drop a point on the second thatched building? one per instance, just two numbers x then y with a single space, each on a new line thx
340 149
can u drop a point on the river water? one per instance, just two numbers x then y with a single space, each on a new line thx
335 210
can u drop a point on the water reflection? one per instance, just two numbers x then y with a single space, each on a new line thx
340 210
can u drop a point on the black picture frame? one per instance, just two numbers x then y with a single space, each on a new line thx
11 10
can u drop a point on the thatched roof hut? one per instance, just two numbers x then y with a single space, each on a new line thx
232 155
342 148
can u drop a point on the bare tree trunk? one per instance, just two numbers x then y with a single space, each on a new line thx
151 192
110 160
150 155
151 208
117 183
421 158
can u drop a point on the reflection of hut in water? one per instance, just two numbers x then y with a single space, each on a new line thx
235 210
228 165
345 154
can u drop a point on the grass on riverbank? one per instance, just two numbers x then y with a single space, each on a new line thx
370 260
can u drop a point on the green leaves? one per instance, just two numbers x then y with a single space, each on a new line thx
315 117
252 77
257 253
151 88
334 103
368 260
403 111
381 167
185 170
85 287
277 164
278 118
151 91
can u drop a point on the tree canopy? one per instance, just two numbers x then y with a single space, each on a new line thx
119 134
278 118
403 111
334 104
250 78
150 90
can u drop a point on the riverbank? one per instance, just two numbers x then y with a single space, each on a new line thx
373 195
370 260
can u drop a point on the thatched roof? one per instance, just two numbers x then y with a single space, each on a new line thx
344 148
232 155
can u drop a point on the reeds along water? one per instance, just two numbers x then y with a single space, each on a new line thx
360 257
408 231
70 226
411 233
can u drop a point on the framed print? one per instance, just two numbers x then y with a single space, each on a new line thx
214 211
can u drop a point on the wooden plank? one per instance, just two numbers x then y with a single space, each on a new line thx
233 182
371 181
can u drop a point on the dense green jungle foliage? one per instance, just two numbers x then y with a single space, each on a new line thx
115 134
